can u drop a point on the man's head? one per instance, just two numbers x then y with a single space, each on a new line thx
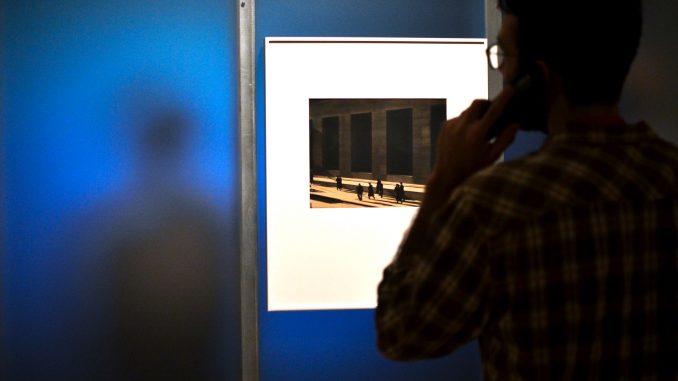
590 44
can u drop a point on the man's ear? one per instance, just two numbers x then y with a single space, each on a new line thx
544 71
553 85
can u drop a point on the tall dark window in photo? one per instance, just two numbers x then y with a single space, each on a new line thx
399 142
361 142
311 139
331 143
438 117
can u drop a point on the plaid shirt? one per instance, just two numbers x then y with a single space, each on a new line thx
563 264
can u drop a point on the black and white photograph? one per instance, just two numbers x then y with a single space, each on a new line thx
372 153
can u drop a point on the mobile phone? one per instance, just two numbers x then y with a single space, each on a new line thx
527 107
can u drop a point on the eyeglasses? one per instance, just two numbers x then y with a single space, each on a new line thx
495 56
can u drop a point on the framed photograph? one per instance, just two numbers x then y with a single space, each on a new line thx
351 131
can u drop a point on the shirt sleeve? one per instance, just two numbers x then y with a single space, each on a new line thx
434 298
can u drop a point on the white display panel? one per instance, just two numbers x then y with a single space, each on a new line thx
334 258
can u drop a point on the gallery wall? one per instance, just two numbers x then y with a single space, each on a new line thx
340 344
650 89
88 177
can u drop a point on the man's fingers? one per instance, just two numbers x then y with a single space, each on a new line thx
497 107
477 109
502 141
488 112
444 138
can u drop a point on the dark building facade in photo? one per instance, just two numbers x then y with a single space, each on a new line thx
390 139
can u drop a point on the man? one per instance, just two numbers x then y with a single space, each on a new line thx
401 193
563 263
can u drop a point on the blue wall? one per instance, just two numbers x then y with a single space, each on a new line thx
80 80
340 345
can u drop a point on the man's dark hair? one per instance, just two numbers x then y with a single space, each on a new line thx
590 43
